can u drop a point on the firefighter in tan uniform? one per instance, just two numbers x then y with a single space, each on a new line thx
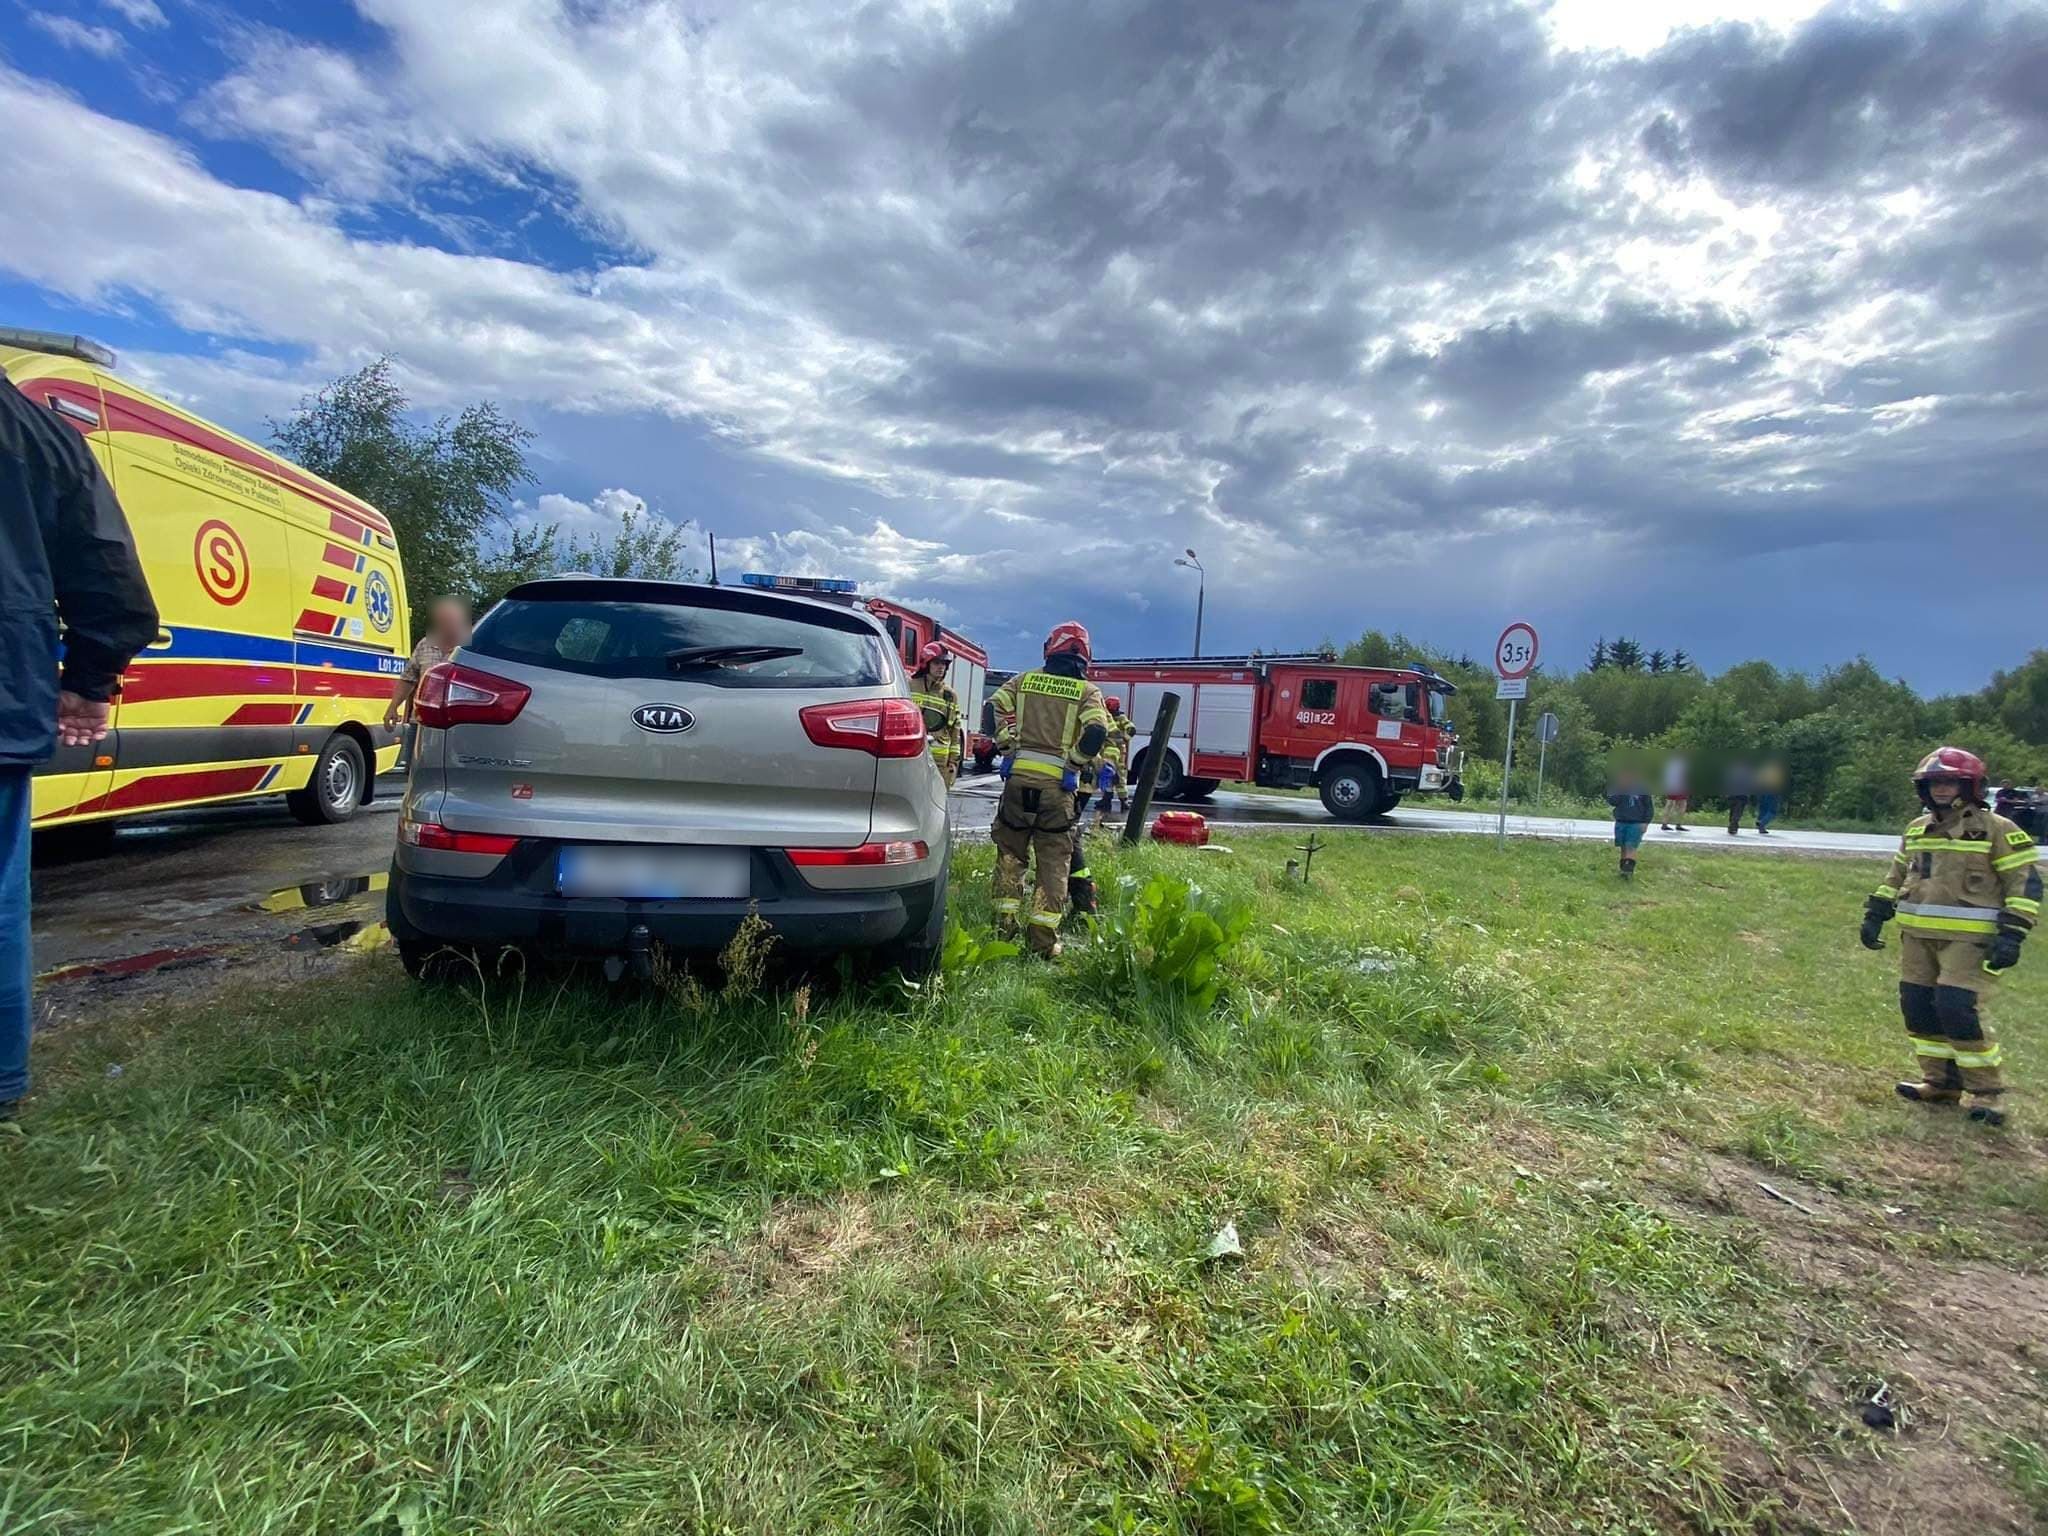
941 707
1050 724
1966 890
1116 762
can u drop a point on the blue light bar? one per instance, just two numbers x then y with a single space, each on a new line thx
798 583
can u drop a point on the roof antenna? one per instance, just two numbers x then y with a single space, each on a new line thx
714 555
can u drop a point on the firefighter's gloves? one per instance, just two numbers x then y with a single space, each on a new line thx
1877 911
2004 952
1003 767
1070 780
1105 777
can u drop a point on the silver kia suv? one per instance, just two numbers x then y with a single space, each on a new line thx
612 765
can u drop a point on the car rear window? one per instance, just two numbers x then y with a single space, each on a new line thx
605 638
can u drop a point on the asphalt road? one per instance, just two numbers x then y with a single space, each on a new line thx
231 884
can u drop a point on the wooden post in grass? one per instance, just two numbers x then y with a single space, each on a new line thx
1155 754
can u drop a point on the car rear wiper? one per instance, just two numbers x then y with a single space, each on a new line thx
728 655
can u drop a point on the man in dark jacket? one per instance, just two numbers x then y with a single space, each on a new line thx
1633 804
65 555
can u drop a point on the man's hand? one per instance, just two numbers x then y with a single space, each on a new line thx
81 722
1877 911
391 718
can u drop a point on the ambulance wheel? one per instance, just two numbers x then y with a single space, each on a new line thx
1351 790
336 788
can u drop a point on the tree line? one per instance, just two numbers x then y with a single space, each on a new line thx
1849 737
1628 656
450 488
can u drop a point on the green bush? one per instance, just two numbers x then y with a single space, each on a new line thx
1163 938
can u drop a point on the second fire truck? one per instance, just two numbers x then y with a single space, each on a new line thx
1362 737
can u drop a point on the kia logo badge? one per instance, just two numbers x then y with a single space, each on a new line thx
664 719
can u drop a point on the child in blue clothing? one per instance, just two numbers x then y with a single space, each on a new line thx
1633 806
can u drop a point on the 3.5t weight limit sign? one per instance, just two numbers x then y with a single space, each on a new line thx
1514 653
1514 658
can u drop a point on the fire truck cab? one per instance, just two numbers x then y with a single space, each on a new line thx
1361 736
913 631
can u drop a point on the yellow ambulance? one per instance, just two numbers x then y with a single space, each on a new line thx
282 602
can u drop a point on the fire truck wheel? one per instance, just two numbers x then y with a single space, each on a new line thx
1351 789
1171 779
1199 789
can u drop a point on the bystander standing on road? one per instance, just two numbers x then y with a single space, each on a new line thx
1770 794
447 631
66 558
1677 791
1741 789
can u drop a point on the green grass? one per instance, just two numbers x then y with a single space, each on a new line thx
555 1258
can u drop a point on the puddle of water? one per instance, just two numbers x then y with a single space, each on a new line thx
321 893
132 965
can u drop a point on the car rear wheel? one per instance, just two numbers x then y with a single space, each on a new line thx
433 963
1351 790
336 788
917 955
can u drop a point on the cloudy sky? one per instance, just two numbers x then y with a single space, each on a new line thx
1720 322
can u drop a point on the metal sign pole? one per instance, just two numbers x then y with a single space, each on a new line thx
1542 756
1507 767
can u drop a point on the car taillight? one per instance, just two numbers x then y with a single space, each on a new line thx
430 834
865 854
880 727
452 694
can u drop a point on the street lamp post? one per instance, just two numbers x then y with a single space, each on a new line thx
1201 593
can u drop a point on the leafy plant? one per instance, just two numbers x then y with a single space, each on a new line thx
1165 937
962 951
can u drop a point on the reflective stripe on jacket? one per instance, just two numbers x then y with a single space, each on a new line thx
1964 873
941 712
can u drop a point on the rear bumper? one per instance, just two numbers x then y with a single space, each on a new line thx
516 904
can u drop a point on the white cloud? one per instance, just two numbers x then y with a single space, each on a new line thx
102 42
1631 26
575 519
313 107
138 13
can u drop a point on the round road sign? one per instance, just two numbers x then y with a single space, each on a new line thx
1514 653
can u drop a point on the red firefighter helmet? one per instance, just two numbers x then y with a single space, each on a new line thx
933 651
1951 763
1114 704
1068 639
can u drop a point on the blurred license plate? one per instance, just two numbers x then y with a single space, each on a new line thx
655 874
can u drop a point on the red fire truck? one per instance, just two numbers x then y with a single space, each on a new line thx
910 631
913 631
1362 736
